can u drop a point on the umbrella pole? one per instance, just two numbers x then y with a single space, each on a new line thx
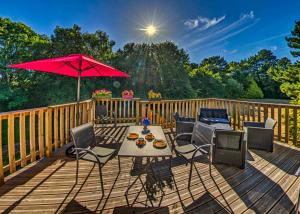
78 98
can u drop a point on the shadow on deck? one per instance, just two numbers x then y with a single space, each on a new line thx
266 185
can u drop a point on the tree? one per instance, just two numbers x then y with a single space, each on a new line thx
288 75
161 67
18 43
216 64
205 82
67 41
294 41
258 66
253 91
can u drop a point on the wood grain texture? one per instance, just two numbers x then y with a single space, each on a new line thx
267 184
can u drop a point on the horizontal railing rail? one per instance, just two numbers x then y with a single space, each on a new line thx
32 134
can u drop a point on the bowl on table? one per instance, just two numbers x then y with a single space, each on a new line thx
132 136
160 144
149 137
140 142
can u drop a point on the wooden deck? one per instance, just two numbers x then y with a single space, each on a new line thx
266 185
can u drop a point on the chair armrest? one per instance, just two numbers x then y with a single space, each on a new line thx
253 124
199 148
87 151
93 153
259 129
183 134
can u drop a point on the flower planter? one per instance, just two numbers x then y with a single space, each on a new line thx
127 97
102 94
102 97
127 94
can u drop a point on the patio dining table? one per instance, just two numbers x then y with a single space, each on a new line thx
130 149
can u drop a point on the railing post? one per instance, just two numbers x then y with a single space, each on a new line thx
32 137
48 132
11 143
295 125
1 155
286 123
137 111
41 133
22 140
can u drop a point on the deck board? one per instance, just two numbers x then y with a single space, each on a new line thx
267 184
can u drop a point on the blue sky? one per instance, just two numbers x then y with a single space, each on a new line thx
233 29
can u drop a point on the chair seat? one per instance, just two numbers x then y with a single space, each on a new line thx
186 148
99 151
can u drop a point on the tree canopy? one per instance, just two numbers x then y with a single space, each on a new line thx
163 67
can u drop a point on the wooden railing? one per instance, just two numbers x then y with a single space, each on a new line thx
28 135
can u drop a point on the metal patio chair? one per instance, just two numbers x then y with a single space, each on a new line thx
86 148
102 116
201 144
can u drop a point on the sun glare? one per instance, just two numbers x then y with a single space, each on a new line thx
150 30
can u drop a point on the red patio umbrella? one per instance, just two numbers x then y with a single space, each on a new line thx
74 65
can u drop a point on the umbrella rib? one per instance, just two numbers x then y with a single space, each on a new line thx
95 67
72 66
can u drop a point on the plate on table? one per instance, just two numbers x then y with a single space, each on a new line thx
149 137
160 144
140 142
132 136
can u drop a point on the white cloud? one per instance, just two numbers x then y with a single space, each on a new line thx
244 22
230 51
191 23
203 23
249 15
274 48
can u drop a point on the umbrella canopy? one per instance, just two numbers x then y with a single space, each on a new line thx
74 65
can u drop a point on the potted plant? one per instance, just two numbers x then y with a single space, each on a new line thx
102 94
154 95
127 94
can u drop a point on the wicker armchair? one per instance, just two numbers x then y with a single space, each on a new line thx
229 148
260 135
87 149
298 201
201 143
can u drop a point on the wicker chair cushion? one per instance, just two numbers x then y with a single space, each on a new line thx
229 140
270 123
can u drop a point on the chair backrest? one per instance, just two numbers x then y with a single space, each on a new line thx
229 140
101 111
213 113
176 116
83 135
270 123
202 134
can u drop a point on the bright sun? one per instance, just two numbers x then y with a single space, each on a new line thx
150 30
